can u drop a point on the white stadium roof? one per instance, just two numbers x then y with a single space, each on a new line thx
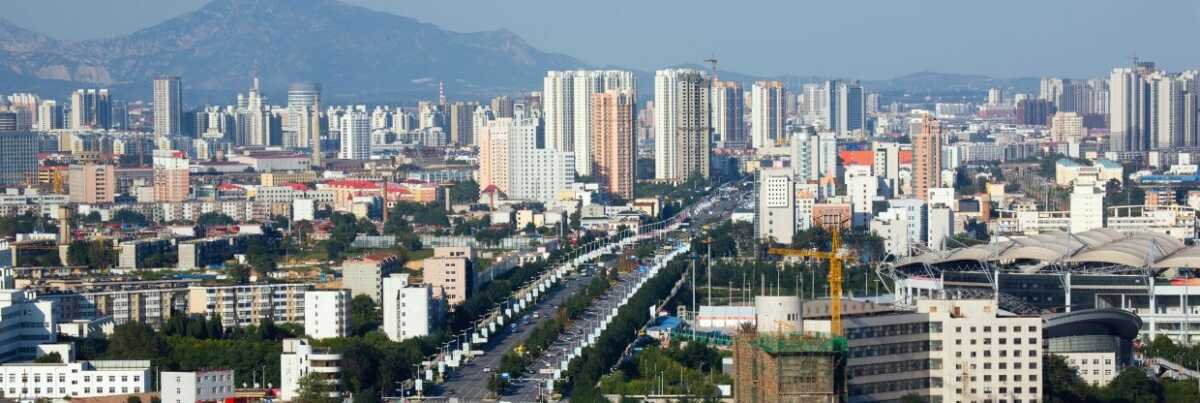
1096 247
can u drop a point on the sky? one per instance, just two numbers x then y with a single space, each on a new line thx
865 39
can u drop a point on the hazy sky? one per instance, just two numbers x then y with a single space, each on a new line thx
867 39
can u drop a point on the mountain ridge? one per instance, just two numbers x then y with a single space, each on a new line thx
360 55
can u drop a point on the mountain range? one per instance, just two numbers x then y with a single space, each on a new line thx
359 55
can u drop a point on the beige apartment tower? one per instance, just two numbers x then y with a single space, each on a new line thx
927 158
613 142
92 184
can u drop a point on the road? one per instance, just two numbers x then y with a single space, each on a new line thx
532 382
469 383
711 209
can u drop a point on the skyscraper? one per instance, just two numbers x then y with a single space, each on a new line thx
1129 108
257 115
168 105
318 154
612 141
461 125
356 135
728 113
766 113
50 115
995 96
927 158
844 106
91 109
681 124
301 98
567 109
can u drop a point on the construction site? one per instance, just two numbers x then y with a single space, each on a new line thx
790 367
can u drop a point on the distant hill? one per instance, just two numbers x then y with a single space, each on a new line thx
358 54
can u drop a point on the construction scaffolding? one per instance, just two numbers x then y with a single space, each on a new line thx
790 367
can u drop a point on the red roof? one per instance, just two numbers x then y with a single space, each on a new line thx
490 189
297 186
905 156
226 187
857 157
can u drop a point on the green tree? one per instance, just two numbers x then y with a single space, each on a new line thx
52 358
214 219
314 389
129 217
364 315
133 399
136 341
1181 391
1132 385
912 398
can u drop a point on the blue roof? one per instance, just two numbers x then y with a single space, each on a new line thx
666 323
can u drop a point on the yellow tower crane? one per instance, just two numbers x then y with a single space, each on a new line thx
836 258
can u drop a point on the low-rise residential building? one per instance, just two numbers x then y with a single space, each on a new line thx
25 322
196 386
364 275
327 313
300 359
200 253
249 304
74 379
451 273
409 310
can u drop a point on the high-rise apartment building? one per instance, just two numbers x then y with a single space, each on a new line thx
25 106
767 113
168 105
171 176
775 217
18 157
327 314
356 136
995 96
511 159
612 141
461 123
1067 127
728 113
567 109
1129 108
302 97
92 183
682 128
927 158
50 116
91 109
502 107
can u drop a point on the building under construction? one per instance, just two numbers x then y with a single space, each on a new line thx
788 367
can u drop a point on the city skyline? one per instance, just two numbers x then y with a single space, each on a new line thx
1008 49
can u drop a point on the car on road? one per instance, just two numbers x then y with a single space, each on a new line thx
487 369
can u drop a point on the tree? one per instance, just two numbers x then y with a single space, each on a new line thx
1132 385
364 315
133 399
52 358
912 398
314 389
136 341
129 217
214 219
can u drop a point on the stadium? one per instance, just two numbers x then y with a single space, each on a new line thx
1148 274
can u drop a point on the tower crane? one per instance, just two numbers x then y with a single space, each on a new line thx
837 258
